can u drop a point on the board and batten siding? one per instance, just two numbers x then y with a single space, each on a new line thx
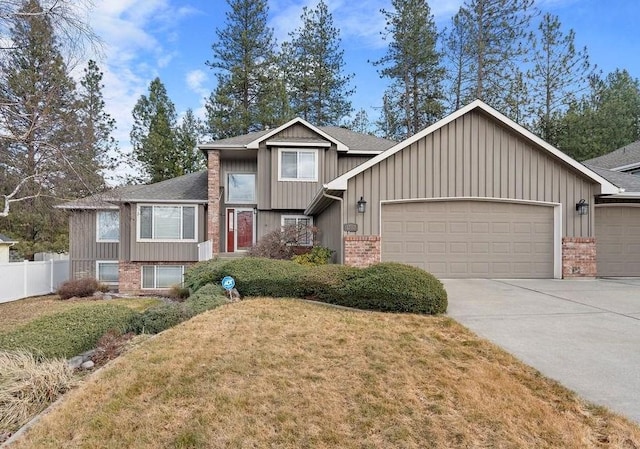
346 163
274 194
166 251
84 250
473 156
329 226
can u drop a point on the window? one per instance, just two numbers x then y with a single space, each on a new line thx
298 229
298 165
107 272
161 276
241 188
108 226
167 223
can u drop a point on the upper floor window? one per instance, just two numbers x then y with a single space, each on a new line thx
297 165
241 188
168 223
108 226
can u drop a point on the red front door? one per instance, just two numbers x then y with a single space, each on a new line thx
244 229
231 226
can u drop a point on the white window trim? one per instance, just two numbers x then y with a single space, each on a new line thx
298 150
113 262
255 187
297 217
98 239
152 240
155 276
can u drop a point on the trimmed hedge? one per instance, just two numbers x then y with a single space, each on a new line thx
69 333
390 287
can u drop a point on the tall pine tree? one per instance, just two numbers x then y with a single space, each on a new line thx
558 74
412 63
188 134
248 89
314 62
152 135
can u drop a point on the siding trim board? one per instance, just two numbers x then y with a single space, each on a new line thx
557 219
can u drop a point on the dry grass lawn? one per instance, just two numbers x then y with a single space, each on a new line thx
288 374
17 313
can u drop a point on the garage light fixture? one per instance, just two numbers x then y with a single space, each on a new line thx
582 207
362 206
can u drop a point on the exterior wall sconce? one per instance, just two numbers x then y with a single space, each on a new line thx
582 207
362 206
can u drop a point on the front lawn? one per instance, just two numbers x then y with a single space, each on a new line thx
18 313
289 374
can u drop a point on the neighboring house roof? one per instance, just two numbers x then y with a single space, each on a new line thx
4 240
630 183
344 139
622 159
191 188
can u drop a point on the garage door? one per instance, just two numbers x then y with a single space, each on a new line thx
617 240
470 239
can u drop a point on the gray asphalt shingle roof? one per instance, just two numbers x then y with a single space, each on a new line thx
630 183
191 187
627 155
5 239
354 140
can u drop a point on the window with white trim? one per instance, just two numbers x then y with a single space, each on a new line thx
162 276
167 223
298 229
241 188
297 165
107 271
108 226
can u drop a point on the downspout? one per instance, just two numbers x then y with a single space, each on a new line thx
326 195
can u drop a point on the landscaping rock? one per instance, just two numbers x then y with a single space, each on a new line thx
75 362
87 365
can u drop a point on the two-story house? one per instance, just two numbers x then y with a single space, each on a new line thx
141 238
474 195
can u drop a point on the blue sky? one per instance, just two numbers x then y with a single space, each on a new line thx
172 39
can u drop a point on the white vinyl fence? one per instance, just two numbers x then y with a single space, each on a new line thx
23 279
205 250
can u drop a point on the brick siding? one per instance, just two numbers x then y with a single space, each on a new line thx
213 192
578 257
361 250
130 277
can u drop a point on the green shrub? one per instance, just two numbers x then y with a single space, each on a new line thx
394 287
69 333
158 318
208 297
203 273
178 293
324 282
78 288
319 255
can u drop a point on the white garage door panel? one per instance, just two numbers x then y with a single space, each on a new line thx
467 239
617 240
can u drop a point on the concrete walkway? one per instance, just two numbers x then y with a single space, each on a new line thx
584 334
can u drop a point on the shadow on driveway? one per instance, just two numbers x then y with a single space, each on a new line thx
583 333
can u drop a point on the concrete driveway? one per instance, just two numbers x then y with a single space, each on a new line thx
584 334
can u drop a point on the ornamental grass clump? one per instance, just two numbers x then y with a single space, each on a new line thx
28 384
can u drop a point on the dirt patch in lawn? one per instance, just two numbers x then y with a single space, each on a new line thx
289 374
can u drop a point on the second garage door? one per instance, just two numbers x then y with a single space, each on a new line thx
618 240
470 239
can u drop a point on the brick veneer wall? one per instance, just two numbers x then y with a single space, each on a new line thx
361 250
213 192
578 257
130 277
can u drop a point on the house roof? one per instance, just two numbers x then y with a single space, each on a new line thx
344 139
191 188
624 158
630 183
340 183
5 239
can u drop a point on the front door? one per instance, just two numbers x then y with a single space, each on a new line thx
240 229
